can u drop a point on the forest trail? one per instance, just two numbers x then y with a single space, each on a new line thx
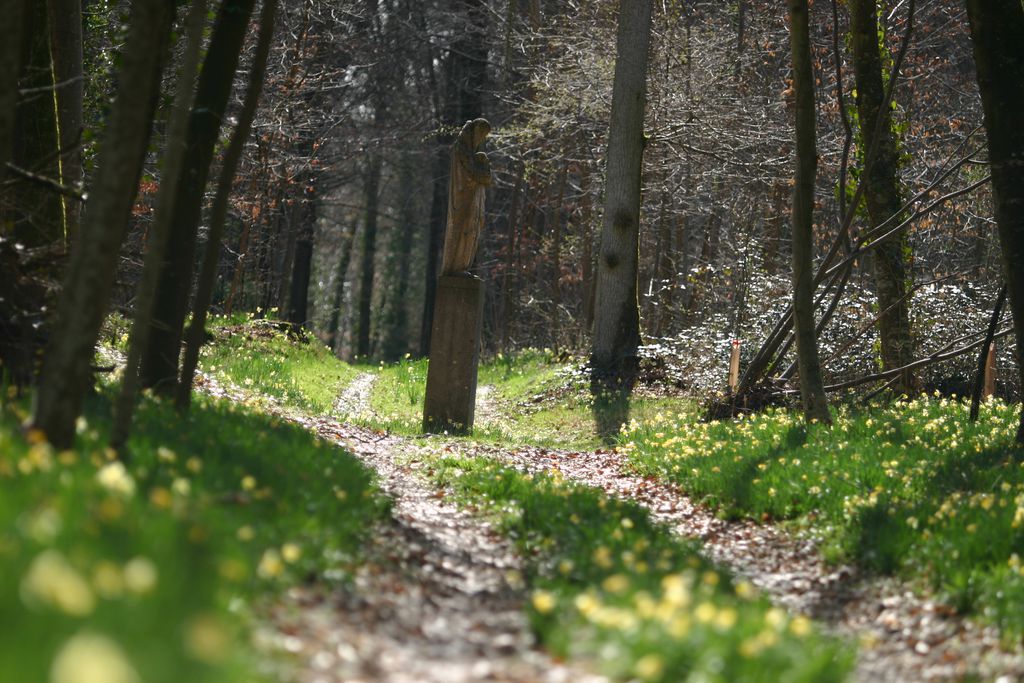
354 399
440 601
901 636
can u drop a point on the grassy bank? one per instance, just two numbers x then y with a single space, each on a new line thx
910 488
537 400
254 354
147 572
611 587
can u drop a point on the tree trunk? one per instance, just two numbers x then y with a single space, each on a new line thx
617 315
160 361
996 29
369 253
812 390
66 371
882 192
395 325
348 238
302 261
159 233
39 217
10 68
556 261
65 18
219 211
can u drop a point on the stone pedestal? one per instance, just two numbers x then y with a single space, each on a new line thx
454 355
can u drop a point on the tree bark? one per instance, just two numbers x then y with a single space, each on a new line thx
66 371
617 314
812 390
996 29
302 261
882 192
160 361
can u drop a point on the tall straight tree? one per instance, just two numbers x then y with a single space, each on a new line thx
159 232
368 252
997 29
160 359
812 389
67 374
219 211
617 316
882 191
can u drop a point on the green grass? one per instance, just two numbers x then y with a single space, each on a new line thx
303 375
149 572
611 587
910 488
538 404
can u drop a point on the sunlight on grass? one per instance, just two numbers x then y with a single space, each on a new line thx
912 488
535 401
257 355
147 572
608 585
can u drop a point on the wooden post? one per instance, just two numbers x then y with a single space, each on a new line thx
990 373
734 366
454 355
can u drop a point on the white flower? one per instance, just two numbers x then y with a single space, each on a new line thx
115 478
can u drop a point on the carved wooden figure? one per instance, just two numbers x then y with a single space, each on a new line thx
470 175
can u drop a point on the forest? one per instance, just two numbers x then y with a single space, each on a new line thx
513 340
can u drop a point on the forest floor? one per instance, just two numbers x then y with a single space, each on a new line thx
442 600
322 527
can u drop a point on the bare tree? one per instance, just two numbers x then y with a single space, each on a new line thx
616 338
218 214
617 319
159 234
812 390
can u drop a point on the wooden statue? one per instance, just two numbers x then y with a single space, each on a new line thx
470 174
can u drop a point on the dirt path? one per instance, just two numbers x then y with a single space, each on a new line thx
902 637
354 399
439 601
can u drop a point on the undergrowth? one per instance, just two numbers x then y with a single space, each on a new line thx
147 572
911 488
610 586
258 355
